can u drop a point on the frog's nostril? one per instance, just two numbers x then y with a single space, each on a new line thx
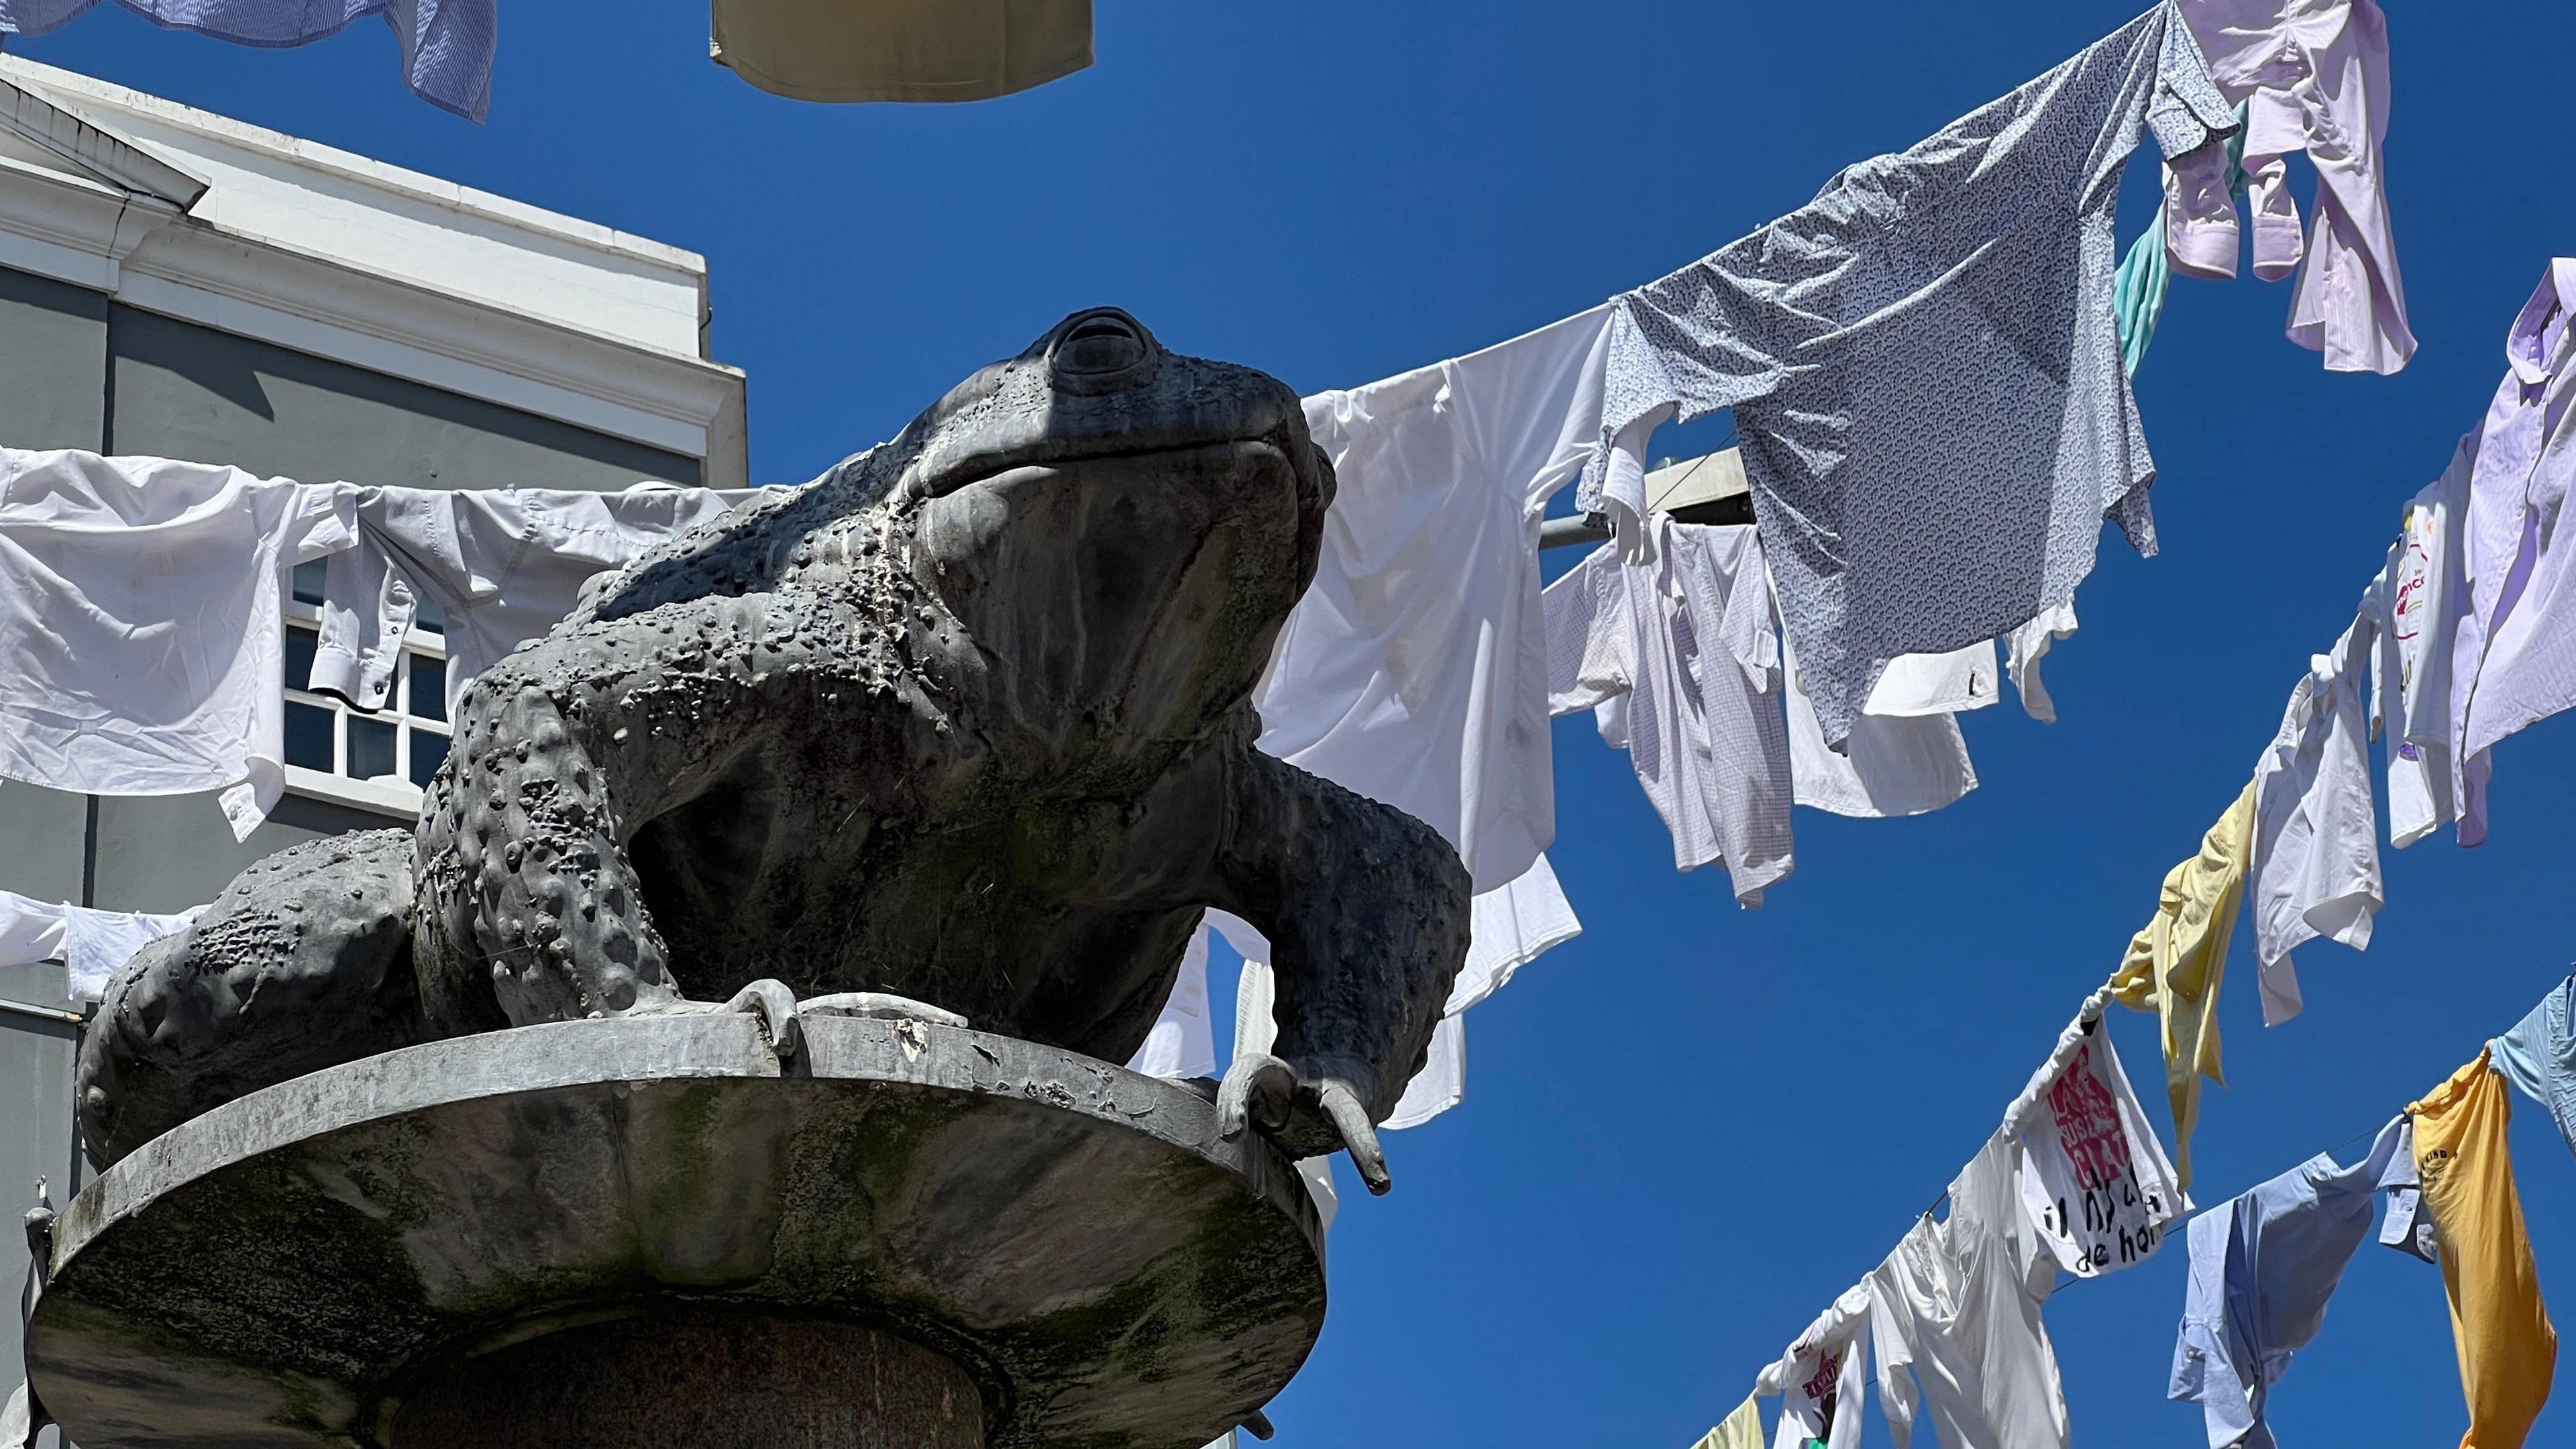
1105 342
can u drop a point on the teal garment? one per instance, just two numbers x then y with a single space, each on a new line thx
2139 292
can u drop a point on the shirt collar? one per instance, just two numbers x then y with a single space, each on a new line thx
2528 348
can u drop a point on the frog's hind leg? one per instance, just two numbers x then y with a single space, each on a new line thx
304 962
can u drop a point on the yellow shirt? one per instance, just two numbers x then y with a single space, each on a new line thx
2506 1345
2174 964
1742 1429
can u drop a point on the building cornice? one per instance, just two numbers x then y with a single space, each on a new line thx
114 217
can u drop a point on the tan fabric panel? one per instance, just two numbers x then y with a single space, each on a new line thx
901 50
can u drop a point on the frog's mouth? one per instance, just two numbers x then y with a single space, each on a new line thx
1077 460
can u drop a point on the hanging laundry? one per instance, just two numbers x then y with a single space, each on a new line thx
2315 869
1182 1043
1914 685
1739 1430
2262 1267
1823 1379
1956 1309
2026 646
2313 77
2507 1348
2096 1183
2539 1056
142 651
2408 1224
2415 604
506 565
93 945
2146 269
1889 765
2176 961
900 50
1414 668
2515 659
446 45
1925 369
1687 640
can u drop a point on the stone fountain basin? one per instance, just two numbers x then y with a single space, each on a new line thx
292 1267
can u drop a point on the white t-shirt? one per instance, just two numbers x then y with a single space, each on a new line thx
2095 1181
1823 1379
1686 641
505 564
2414 604
142 651
2315 869
1956 1309
1414 669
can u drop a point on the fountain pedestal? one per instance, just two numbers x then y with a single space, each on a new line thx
650 1232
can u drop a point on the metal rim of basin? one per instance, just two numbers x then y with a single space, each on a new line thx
1074 1235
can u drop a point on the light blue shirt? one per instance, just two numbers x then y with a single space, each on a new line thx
2539 1056
2262 1267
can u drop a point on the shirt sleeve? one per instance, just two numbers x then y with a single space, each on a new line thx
1588 636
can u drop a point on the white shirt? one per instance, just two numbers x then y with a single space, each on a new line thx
505 564
2095 1181
2313 76
2414 605
2025 647
1182 1044
1414 669
1511 927
1919 684
1956 1308
1894 765
2315 870
2515 659
1687 641
142 651
92 945
1823 1379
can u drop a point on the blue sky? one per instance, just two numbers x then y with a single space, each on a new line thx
1690 1128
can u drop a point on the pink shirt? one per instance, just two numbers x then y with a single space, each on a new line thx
2515 657
2313 76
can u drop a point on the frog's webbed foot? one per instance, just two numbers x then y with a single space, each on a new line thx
781 1015
1308 1113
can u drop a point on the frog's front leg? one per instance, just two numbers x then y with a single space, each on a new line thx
531 908
1367 911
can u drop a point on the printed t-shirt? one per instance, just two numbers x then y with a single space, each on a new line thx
2096 1183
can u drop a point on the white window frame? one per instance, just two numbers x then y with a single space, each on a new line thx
392 794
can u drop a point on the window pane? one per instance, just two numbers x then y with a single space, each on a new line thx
299 658
371 748
308 736
428 751
428 687
308 582
430 618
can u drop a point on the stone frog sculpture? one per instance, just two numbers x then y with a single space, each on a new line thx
961 729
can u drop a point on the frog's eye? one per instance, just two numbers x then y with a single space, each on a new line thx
1104 342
